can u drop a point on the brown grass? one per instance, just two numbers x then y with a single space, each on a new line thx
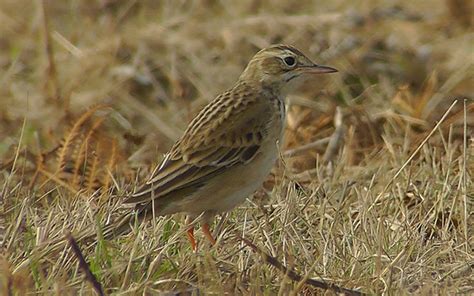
373 191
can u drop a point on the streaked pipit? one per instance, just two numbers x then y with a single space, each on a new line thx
229 147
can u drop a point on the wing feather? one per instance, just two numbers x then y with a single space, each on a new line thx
227 132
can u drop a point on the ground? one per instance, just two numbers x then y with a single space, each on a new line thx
373 190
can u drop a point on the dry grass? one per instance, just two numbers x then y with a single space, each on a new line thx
374 195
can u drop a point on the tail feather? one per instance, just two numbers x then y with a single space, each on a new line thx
116 228
119 227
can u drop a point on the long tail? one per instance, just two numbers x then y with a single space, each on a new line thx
120 226
116 228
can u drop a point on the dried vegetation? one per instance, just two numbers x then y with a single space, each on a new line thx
373 191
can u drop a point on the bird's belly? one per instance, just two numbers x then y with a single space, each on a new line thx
233 186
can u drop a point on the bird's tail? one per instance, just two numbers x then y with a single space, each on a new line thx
120 226
116 228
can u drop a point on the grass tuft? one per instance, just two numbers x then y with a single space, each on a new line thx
372 193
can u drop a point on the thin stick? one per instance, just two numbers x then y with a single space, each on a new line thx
50 83
296 277
303 148
90 277
464 177
336 138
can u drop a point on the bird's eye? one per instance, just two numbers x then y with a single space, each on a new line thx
290 61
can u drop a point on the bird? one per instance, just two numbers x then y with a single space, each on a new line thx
228 149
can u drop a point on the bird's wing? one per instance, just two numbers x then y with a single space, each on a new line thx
227 132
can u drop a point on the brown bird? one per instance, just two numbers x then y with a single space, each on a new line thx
228 149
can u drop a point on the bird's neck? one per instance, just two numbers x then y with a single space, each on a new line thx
262 87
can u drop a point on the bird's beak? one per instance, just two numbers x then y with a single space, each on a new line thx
318 69
311 69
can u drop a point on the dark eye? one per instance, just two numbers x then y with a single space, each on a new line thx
290 61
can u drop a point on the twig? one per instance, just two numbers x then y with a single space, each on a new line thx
336 138
464 177
303 148
296 277
50 84
90 277
3 224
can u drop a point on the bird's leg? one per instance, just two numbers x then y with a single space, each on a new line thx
192 240
190 232
207 233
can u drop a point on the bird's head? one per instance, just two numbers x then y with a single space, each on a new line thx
281 67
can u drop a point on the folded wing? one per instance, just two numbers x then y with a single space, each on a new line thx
221 136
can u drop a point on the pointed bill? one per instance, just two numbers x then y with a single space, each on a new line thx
318 69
